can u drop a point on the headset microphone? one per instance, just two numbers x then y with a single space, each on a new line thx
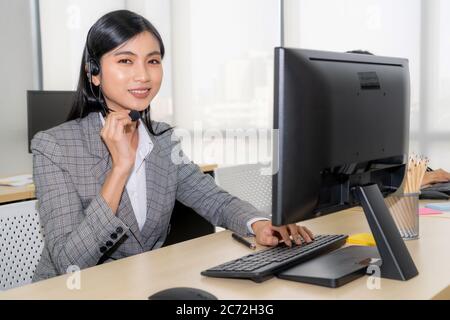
134 115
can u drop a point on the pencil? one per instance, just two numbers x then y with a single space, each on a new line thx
243 241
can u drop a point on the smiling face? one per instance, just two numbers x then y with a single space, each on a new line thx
131 74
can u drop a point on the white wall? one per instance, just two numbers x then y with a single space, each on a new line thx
16 68
64 26
434 133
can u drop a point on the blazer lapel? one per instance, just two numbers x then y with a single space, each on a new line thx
92 126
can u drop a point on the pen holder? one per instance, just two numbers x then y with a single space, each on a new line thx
404 209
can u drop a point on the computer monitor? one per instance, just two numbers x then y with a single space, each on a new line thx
343 122
47 109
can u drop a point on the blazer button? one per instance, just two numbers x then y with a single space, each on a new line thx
119 230
103 249
109 243
114 236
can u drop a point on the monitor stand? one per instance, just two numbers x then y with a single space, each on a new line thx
349 263
397 263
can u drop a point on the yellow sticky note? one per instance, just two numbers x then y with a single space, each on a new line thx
362 239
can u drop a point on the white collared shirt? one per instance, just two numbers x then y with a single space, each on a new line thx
136 185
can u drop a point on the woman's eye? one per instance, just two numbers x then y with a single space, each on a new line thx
124 61
154 61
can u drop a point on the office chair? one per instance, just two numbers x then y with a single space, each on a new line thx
21 243
249 182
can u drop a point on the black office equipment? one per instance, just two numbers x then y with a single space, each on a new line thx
426 194
443 187
334 269
47 109
182 293
437 191
186 224
262 265
343 122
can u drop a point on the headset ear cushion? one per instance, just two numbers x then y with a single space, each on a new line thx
95 68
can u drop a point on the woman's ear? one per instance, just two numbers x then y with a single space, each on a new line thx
96 80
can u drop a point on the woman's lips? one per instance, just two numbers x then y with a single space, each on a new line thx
140 93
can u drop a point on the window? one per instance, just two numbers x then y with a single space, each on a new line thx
414 29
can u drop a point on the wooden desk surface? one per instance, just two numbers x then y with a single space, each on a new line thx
9 194
179 265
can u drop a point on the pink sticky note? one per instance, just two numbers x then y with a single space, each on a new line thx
428 211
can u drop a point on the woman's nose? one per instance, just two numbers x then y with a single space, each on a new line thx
141 73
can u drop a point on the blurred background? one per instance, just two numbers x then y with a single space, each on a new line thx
218 69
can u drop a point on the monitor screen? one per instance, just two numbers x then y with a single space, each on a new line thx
47 109
343 121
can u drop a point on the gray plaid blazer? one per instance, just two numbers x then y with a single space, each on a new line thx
70 164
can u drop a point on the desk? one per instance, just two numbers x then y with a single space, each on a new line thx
11 194
139 276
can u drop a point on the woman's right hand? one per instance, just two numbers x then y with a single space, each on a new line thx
435 176
117 136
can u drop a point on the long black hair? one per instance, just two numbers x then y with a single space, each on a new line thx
110 31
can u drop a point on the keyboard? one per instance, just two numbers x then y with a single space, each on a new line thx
264 264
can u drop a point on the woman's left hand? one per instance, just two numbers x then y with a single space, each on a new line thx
268 235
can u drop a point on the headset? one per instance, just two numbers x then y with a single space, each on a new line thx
92 66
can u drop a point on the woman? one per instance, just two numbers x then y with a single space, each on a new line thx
107 185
